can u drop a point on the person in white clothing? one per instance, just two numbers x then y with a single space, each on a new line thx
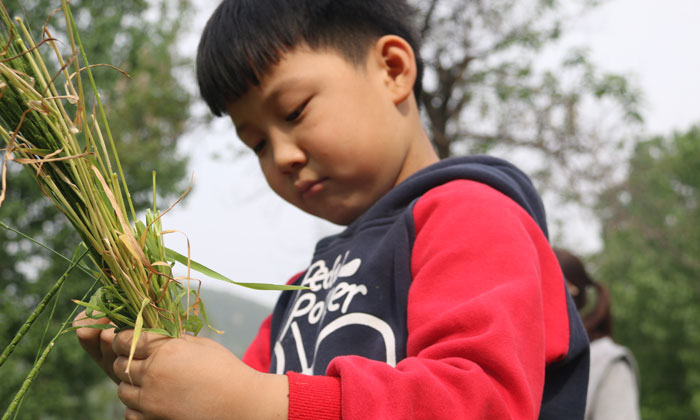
613 384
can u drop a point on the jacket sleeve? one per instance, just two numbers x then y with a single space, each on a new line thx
257 355
486 313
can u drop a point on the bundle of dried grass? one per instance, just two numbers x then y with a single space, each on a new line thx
48 127
50 131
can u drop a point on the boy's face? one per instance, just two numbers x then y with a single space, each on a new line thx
328 134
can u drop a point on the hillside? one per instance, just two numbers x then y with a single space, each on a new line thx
238 317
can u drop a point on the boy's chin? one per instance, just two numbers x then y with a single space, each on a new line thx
338 220
342 217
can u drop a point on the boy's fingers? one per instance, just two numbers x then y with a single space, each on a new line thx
88 337
131 414
82 320
147 343
135 370
130 395
107 337
106 340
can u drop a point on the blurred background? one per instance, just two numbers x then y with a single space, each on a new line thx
598 101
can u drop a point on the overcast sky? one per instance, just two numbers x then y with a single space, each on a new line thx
238 227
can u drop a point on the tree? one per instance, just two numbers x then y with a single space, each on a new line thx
148 113
487 91
651 232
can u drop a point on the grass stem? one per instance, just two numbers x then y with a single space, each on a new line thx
38 311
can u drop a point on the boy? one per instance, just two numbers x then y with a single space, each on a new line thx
441 300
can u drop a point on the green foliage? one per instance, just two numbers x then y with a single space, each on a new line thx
148 113
651 232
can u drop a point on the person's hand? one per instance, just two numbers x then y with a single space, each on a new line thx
97 343
193 378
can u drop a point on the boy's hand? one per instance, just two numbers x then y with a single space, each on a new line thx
97 343
193 378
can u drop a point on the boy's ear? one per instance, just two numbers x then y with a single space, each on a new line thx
398 62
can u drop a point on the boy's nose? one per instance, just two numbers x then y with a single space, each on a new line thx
288 156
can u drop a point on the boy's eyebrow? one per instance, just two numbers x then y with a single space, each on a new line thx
281 86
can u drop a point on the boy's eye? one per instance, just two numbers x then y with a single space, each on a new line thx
296 113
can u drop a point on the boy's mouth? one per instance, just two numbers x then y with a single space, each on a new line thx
309 187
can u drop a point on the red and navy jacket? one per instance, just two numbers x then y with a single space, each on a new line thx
444 300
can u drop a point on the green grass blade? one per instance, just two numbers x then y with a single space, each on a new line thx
74 34
81 266
104 310
176 256
137 335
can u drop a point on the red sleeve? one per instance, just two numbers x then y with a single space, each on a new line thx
486 313
257 355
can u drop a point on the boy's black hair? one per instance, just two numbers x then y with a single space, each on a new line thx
244 37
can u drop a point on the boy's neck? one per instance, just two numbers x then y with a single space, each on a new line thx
421 153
